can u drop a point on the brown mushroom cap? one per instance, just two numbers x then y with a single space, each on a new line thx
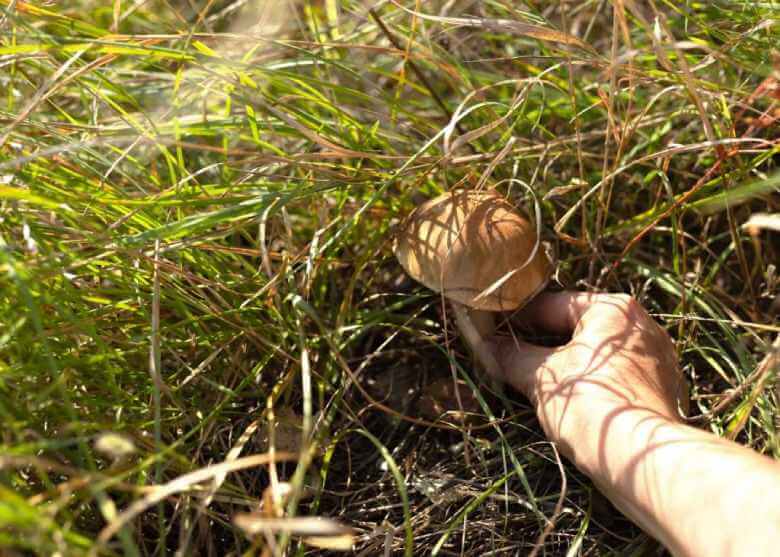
474 246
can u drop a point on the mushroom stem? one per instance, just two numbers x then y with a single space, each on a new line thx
477 326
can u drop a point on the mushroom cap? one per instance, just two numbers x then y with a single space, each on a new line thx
475 248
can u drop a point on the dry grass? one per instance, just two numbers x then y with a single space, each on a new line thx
197 203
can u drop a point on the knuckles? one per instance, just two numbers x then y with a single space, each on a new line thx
627 303
616 310
630 309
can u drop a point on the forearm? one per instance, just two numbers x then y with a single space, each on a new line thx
696 493
610 397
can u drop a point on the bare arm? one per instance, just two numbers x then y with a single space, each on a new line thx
611 398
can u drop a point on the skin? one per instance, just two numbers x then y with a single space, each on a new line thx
612 399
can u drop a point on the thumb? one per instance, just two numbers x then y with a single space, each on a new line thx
521 363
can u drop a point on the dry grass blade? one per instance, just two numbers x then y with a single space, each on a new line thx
505 26
763 221
539 545
253 523
674 150
178 485
420 75
324 533
232 455
765 371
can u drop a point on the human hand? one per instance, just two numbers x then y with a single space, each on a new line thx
618 359
611 399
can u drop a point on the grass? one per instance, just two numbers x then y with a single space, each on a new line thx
197 205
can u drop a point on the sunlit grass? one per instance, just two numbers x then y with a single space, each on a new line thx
197 205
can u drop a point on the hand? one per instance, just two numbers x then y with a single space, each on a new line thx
612 398
618 358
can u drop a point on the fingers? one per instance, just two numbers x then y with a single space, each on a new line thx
559 312
521 363
574 312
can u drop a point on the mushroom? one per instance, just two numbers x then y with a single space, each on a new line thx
481 253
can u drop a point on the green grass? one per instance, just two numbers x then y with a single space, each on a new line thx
197 205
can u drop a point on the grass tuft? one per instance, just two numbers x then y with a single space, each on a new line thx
197 206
